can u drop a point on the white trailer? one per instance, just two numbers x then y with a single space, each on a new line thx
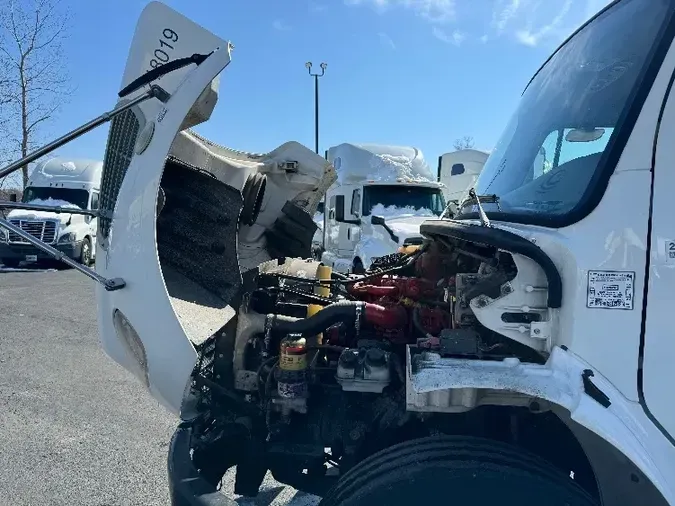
521 355
57 182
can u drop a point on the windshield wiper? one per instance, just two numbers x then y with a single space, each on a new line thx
476 199
486 199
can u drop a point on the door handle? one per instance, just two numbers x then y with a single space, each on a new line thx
349 234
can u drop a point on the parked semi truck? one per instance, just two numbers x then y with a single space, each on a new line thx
520 355
61 182
381 196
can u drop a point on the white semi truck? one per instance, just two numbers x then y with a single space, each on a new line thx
382 195
521 355
70 184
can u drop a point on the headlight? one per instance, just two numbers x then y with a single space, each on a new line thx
138 361
69 237
3 234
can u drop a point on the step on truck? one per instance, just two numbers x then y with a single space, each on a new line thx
522 354
375 207
71 184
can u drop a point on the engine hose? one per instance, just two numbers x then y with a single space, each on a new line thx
340 312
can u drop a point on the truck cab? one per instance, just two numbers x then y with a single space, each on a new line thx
56 182
381 197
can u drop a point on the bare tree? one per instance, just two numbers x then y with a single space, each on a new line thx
33 82
465 142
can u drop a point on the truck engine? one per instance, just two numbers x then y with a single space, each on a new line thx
324 361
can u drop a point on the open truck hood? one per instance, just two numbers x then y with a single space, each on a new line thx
182 217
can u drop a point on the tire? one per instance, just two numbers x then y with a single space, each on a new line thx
455 471
86 253
357 267
10 263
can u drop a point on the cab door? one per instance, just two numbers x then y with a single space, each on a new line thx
658 339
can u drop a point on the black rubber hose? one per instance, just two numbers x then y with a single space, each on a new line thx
340 312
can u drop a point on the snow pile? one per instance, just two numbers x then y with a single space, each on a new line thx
390 211
390 168
379 163
53 203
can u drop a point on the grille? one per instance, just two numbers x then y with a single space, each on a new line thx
45 231
118 154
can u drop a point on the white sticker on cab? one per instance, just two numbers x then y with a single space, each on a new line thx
610 290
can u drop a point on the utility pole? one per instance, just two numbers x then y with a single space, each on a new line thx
316 101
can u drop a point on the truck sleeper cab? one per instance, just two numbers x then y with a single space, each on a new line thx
56 182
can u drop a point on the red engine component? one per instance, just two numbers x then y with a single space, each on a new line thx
393 286
386 315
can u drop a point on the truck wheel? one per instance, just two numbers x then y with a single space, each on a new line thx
455 470
357 267
85 254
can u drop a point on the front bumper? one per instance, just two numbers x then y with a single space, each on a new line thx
186 486
19 252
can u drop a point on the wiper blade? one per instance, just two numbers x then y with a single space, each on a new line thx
473 198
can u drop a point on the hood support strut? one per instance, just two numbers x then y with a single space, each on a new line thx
109 284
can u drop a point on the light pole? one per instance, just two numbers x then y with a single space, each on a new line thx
316 101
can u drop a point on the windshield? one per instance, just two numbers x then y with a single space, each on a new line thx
544 164
415 197
80 198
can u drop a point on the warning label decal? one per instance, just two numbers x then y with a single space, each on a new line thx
610 289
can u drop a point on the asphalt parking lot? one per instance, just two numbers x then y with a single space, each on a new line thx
75 428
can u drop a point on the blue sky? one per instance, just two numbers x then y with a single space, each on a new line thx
411 72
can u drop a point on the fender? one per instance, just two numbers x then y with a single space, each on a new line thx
565 381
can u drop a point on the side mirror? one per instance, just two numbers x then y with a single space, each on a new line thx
339 208
377 220
12 197
321 208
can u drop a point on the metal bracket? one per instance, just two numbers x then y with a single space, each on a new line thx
108 284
